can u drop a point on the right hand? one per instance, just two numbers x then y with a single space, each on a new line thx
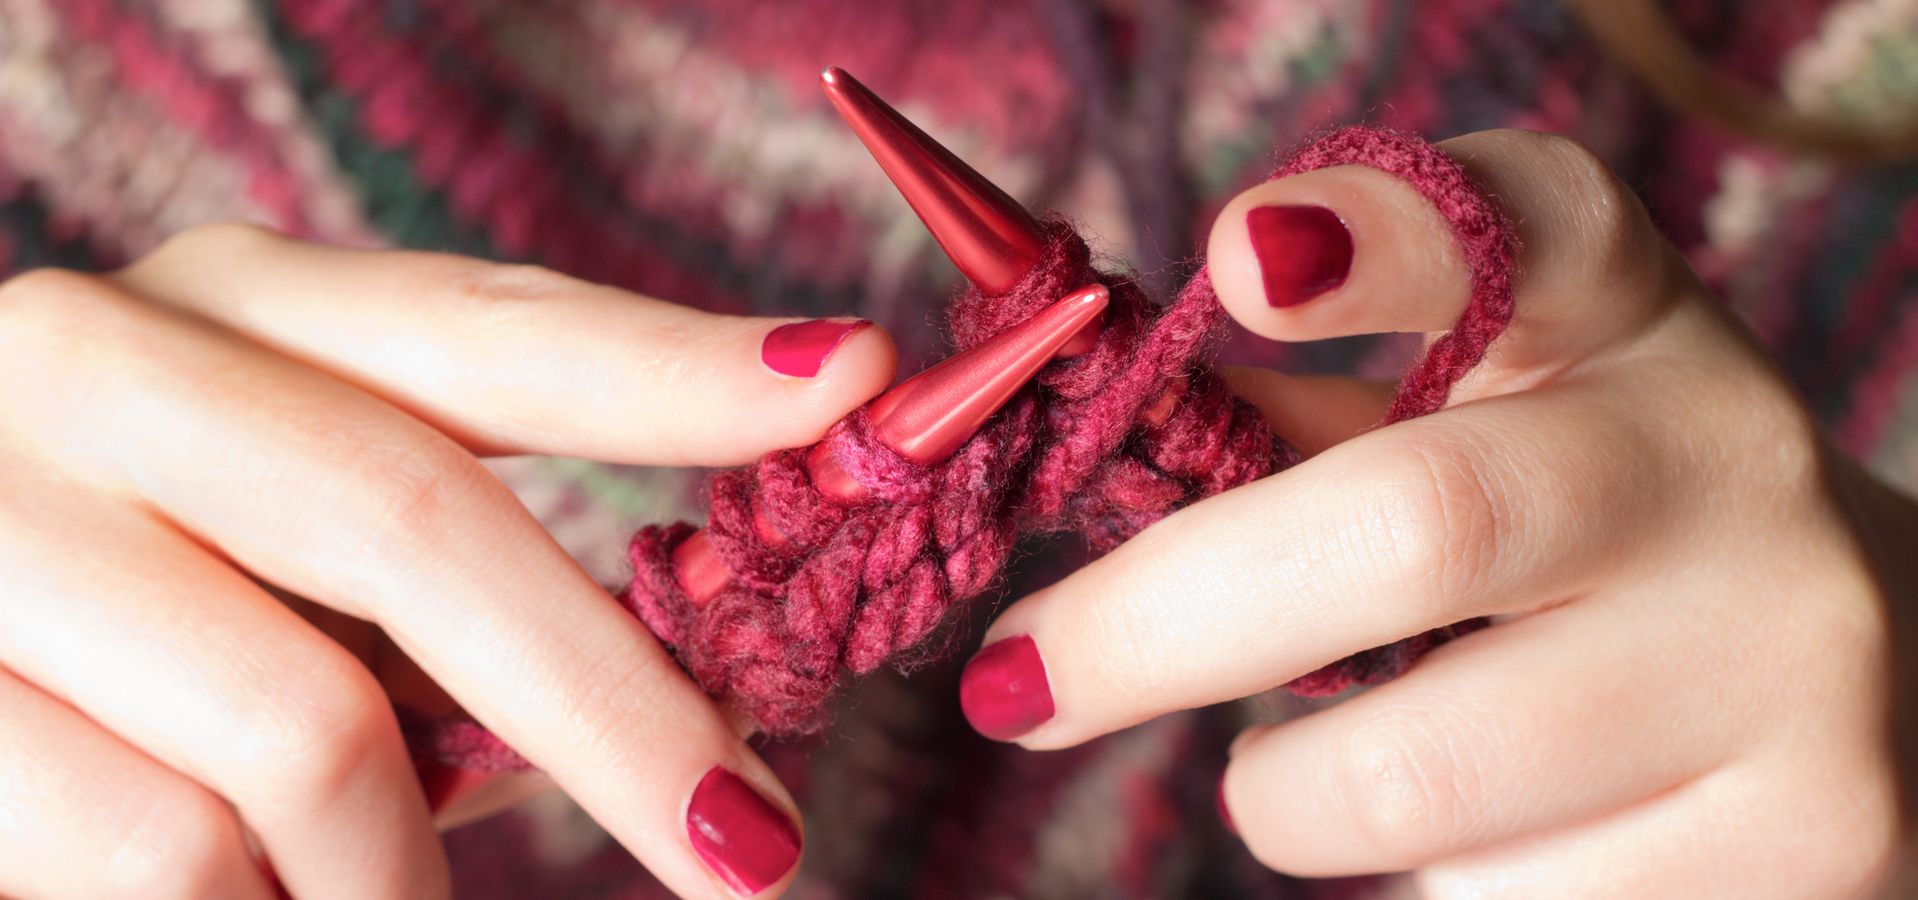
239 410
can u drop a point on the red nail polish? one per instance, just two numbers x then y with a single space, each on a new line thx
1303 251
926 417
745 840
1003 691
800 348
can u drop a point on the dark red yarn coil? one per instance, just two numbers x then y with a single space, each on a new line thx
1102 445
855 588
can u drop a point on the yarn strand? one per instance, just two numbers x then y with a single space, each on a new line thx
1102 445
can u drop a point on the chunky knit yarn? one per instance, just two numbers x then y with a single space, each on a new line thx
852 589
1103 444
1108 443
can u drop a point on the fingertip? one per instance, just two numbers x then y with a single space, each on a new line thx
865 363
779 384
856 361
1335 252
1004 691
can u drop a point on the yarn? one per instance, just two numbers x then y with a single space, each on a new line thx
1102 445
851 589
1489 245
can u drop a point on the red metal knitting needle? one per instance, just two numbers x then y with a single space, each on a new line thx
989 236
925 418
992 239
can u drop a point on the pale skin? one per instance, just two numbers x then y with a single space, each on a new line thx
1685 694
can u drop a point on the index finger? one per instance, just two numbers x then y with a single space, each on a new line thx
1388 535
517 359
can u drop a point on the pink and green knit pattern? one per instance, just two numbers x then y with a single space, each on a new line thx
550 132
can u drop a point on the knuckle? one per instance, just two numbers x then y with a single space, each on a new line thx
610 716
498 304
1438 517
1603 217
401 491
213 240
181 844
57 308
1397 778
1146 644
316 741
505 290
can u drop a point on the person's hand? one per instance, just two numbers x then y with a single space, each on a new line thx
1685 693
237 411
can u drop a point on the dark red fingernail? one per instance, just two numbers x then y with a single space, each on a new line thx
1303 251
744 839
799 349
1225 814
1004 692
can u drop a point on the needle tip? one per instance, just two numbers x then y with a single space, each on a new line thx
991 238
927 417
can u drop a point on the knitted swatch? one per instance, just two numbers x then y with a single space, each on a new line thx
1103 445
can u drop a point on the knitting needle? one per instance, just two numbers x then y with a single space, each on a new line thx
993 240
924 419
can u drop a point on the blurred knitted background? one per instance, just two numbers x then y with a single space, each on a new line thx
683 150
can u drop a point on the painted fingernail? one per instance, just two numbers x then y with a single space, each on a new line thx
1004 692
1303 251
801 348
745 840
1225 814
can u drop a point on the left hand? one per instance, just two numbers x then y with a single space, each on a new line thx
1685 693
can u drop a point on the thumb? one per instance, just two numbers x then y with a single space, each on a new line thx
1353 250
516 359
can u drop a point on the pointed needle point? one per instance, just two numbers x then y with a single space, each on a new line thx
928 416
991 238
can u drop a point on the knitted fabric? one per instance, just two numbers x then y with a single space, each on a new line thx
1107 444
1103 444
852 589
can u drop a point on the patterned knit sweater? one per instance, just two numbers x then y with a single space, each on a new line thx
547 131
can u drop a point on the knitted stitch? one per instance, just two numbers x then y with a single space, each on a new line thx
851 589
1103 444
1107 444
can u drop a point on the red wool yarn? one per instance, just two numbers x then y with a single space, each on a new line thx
1103 445
855 588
